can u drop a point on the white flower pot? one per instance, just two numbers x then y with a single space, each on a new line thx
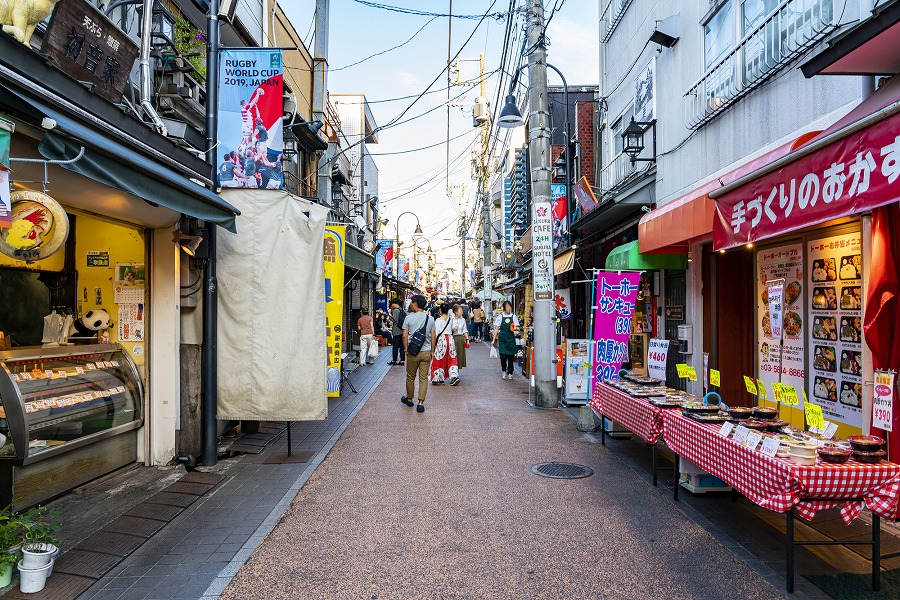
33 580
38 555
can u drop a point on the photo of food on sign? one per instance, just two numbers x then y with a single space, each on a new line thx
824 269
851 266
824 328
766 325
851 297
792 293
851 329
825 388
851 394
793 324
824 298
851 362
824 359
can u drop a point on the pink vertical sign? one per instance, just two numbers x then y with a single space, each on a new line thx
615 297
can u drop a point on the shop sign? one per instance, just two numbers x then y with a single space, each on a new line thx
883 405
780 354
675 313
89 47
250 118
333 252
564 304
39 227
560 213
98 259
5 203
616 296
384 256
848 177
835 336
776 296
542 250
645 94
585 195
657 355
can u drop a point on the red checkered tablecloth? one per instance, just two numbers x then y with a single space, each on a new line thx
634 414
777 483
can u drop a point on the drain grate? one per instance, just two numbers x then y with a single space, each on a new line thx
561 470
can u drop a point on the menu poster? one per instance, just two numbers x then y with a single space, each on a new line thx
657 357
835 338
783 262
577 368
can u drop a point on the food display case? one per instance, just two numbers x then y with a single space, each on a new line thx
69 414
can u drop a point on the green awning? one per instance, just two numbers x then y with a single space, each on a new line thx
359 260
627 256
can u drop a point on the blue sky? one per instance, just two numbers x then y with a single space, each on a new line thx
358 31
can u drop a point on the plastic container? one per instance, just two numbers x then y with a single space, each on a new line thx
39 555
33 580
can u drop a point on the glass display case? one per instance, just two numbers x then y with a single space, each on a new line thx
57 399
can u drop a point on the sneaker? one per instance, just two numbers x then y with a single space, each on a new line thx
454 381
406 401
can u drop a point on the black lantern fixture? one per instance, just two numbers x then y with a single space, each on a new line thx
633 140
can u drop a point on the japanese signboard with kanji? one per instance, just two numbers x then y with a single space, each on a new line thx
89 47
848 177
542 250
333 249
616 295
835 332
781 267
883 401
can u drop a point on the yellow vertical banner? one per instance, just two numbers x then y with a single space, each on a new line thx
333 249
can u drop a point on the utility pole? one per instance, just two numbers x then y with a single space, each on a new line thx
320 99
544 358
484 174
462 253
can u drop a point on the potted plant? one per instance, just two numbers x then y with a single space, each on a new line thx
10 545
39 526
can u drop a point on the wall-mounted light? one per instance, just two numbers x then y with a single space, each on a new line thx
189 243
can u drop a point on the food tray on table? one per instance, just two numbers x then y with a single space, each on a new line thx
638 390
664 402
642 379
709 418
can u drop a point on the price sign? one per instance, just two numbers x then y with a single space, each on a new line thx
883 403
762 389
657 355
752 440
714 378
751 386
691 373
776 390
740 434
79 370
814 416
830 430
770 446
727 428
789 395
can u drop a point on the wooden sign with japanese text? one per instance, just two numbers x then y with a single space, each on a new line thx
89 47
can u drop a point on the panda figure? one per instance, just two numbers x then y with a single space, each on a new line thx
90 323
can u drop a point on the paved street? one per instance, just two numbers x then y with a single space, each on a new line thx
441 504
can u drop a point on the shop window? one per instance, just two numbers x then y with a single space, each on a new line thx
718 34
617 129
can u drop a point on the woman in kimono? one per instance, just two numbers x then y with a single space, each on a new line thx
444 363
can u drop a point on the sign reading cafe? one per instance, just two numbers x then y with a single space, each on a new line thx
89 47
850 176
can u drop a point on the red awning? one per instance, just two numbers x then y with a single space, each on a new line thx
849 169
689 218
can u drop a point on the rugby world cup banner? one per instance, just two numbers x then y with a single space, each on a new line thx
249 153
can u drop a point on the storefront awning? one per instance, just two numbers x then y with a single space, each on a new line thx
359 259
129 171
850 168
672 227
628 256
564 262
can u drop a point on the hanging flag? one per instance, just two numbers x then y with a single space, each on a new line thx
6 129
384 256
251 108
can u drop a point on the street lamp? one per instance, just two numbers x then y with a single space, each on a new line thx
633 140
397 246
510 115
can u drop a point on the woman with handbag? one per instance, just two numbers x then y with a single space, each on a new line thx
460 330
444 364
505 338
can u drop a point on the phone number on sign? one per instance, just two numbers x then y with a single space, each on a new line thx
784 370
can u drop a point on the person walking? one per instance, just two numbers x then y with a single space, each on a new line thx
366 328
398 356
418 340
444 365
478 322
505 326
460 331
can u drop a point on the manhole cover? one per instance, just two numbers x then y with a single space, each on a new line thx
560 470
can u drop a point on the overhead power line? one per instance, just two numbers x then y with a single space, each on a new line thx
425 13
411 38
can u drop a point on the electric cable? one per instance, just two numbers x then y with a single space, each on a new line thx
359 62
423 13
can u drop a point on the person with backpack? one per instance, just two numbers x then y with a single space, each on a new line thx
398 316
418 340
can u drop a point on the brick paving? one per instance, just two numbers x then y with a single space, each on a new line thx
196 555
441 505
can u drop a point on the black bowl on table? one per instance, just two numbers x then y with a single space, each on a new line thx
764 412
866 443
869 457
739 412
831 454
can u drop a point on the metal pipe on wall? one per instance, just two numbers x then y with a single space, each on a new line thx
144 64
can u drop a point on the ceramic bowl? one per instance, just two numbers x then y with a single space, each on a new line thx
739 412
753 424
775 425
866 443
869 457
833 455
764 412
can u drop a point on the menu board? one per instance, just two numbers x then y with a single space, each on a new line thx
783 262
835 336
578 368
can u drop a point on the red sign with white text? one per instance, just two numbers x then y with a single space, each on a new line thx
848 177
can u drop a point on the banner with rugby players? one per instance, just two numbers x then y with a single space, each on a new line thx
249 153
